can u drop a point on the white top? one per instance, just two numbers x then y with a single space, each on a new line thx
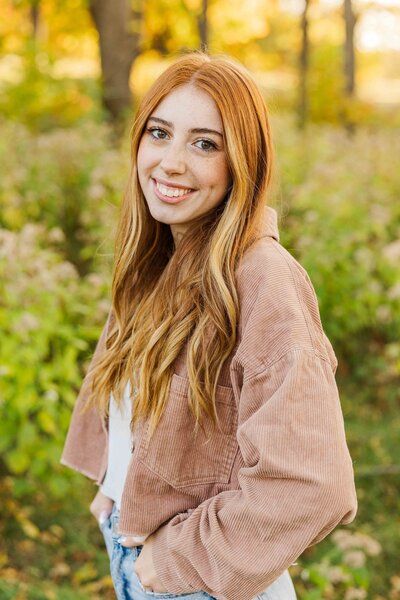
120 446
120 443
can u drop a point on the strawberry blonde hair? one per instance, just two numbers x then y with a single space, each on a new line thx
165 300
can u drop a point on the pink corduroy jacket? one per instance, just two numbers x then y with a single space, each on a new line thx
235 511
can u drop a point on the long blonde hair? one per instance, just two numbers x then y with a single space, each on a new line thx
165 300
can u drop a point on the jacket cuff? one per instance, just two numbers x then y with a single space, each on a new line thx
163 564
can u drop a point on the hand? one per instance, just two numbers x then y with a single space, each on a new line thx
144 567
101 506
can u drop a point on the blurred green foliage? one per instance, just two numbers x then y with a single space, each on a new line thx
43 101
70 180
343 222
48 319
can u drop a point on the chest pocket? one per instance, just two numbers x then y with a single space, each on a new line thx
184 458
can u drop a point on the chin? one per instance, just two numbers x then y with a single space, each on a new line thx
161 215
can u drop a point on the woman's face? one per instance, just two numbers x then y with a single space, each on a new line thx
182 163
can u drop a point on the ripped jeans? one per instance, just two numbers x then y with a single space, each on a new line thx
128 586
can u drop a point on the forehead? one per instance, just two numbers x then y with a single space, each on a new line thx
189 107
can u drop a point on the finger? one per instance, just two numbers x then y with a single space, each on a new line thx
129 541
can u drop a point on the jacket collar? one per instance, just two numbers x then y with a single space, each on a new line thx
269 225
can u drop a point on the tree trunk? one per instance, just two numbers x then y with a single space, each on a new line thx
34 10
349 53
118 26
202 24
349 65
303 67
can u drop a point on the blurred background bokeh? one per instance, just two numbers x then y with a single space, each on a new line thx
71 72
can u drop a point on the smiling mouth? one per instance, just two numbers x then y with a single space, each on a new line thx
172 192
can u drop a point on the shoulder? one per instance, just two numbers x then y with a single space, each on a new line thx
278 306
269 273
267 260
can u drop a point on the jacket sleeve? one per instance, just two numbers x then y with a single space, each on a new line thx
296 483
85 448
296 486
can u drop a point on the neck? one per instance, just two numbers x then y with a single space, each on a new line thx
177 233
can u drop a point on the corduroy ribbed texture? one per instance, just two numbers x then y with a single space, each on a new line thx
235 511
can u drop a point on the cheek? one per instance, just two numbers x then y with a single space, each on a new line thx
222 176
215 176
140 159
145 158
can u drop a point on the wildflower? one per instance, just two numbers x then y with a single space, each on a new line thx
354 558
337 575
384 314
371 546
355 594
392 252
343 539
27 322
56 235
394 292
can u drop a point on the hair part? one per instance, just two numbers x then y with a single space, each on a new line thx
167 300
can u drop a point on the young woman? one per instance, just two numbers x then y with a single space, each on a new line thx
210 416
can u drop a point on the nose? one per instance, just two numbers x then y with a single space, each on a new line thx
174 159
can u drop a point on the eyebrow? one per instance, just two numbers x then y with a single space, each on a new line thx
195 130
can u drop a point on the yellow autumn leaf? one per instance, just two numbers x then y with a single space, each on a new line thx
3 559
46 422
85 573
29 528
57 530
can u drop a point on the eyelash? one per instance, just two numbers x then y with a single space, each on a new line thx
151 130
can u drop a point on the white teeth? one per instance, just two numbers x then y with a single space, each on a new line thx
171 192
